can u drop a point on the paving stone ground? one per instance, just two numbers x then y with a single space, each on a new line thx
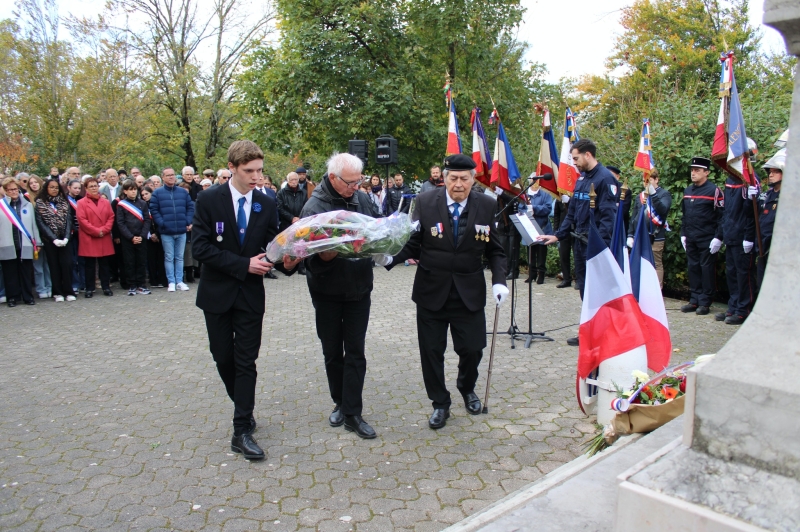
114 418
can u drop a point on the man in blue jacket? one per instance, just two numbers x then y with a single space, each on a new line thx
172 209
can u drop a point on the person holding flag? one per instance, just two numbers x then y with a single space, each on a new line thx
656 202
594 202
19 244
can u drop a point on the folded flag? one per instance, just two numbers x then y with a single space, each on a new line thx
548 156
480 149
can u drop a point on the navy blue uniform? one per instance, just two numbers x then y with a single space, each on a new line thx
607 189
702 208
738 225
767 207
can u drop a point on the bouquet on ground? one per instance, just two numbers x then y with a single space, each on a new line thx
351 234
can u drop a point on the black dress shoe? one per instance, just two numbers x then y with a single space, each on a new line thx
733 319
528 280
439 418
689 307
512 275
336 419
89 294
564 284
107 292
270 275
701 311
245 445
720 316
573 341
11 303
30 302
359 426
540 278
472 403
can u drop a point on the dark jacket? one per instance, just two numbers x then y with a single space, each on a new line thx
338 279
225 264
46 233
738 221
128 224
195 189
541 205
443 265
607 189
657 225
290 204
172 209
394 195
702 208
767 205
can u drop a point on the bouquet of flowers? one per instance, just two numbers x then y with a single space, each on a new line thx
351 234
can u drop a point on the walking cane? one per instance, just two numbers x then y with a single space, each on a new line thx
491 359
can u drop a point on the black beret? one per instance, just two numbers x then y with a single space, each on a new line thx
301 170
701 162
459 162
614 169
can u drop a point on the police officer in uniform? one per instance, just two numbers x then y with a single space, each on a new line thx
768 205
701 235
456 228
598 180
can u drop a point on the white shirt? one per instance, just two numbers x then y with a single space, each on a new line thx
451 201
248 202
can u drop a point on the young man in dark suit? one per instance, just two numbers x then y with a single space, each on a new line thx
232 224
456 228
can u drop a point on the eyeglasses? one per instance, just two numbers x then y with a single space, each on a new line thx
351 184
12 190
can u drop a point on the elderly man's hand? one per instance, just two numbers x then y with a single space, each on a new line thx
258 265
328 255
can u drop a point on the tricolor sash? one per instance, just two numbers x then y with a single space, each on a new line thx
131 208
73 202
11 214
655 219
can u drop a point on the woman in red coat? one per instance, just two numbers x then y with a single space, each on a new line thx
95 220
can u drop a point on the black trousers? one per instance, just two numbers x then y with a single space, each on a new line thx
538 259
18 278
702 272
135 263
116 265
155 263
762 263
579 248
60 262
468 330
564 251
89 271
342 329
234 339
741 281
512 249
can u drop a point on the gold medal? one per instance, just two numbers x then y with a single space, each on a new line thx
477 236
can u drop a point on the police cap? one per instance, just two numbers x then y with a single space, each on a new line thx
701 162
614 169
459 162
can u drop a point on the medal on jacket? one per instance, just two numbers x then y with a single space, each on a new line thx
440 229
478 232
486 229
220 229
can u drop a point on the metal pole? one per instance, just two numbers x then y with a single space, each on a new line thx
491 359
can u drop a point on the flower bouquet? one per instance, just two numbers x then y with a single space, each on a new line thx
351 234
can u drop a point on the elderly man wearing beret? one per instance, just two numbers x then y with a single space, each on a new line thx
456 228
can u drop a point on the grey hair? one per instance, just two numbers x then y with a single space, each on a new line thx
446 171
187 168
220 171
341 161
21 175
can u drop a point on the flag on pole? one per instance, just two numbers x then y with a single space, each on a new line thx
453 138
548 156
504 167
480 149
644 158
646 290
611 321
619 248
730 151
568 174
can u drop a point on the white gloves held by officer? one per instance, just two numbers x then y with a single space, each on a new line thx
683 242
748 246
382 259
715 245
630 242
565 198
752 192
499 293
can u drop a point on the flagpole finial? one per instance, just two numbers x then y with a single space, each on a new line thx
624 189
592 196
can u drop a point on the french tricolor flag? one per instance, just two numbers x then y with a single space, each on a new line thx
480 149
548 156
567 171
453 138
644 157
646 290
504 167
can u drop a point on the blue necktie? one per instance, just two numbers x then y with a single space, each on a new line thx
455 224
241 220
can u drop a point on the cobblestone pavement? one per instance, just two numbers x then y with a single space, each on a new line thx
114 418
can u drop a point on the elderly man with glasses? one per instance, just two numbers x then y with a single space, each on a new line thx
340 292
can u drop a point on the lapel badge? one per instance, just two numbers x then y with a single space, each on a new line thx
434 231
257 207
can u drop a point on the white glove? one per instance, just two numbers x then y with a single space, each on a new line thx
630 242
748 246
498 191
752 192
499 292
565 198
58 243
65 241
382 259
651 189
715 245
683 241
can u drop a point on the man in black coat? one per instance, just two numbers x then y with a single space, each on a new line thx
232 224
340 292
395 195
291 199
456 228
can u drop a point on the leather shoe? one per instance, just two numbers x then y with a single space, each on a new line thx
11 303
573 341
108 292
439 418
336 419
89 294
359 426
540 278
30 302
564 284
689 307
720 316
472 403
733 319
701 311
245 445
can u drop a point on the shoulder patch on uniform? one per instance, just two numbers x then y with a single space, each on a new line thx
613 189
